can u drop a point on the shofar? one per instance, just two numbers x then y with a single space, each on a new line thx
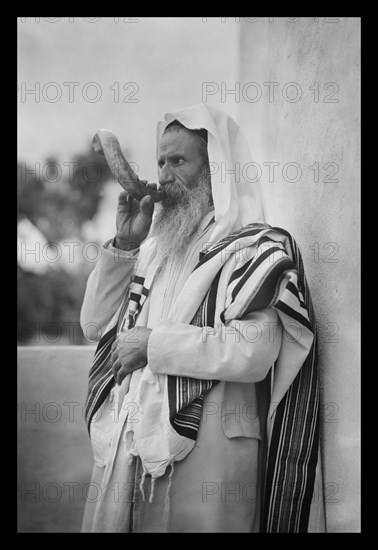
107 144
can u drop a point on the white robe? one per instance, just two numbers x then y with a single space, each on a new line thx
216 488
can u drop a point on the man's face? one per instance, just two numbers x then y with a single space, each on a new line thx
185 177
179 160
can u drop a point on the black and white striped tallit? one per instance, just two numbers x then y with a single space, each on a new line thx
272 277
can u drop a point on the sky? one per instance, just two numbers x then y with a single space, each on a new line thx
123 74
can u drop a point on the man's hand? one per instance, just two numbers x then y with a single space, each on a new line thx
129 352
133 219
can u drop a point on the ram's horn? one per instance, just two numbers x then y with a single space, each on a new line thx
107 144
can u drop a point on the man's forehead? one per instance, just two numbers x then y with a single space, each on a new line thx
178 139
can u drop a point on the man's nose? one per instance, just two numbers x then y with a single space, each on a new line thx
166 175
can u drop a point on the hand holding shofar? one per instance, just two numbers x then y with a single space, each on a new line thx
136 203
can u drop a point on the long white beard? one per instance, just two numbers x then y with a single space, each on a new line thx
177 217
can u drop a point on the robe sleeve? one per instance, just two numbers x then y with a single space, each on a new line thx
105 288
241 351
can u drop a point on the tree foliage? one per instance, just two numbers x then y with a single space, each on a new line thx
57 198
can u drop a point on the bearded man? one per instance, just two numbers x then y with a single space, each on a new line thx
202 405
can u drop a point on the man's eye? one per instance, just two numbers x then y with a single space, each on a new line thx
178 161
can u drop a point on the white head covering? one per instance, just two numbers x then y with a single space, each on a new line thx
237 198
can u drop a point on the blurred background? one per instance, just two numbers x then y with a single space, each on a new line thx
293 85
76 75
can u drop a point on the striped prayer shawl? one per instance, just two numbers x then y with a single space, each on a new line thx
264 280
186 394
